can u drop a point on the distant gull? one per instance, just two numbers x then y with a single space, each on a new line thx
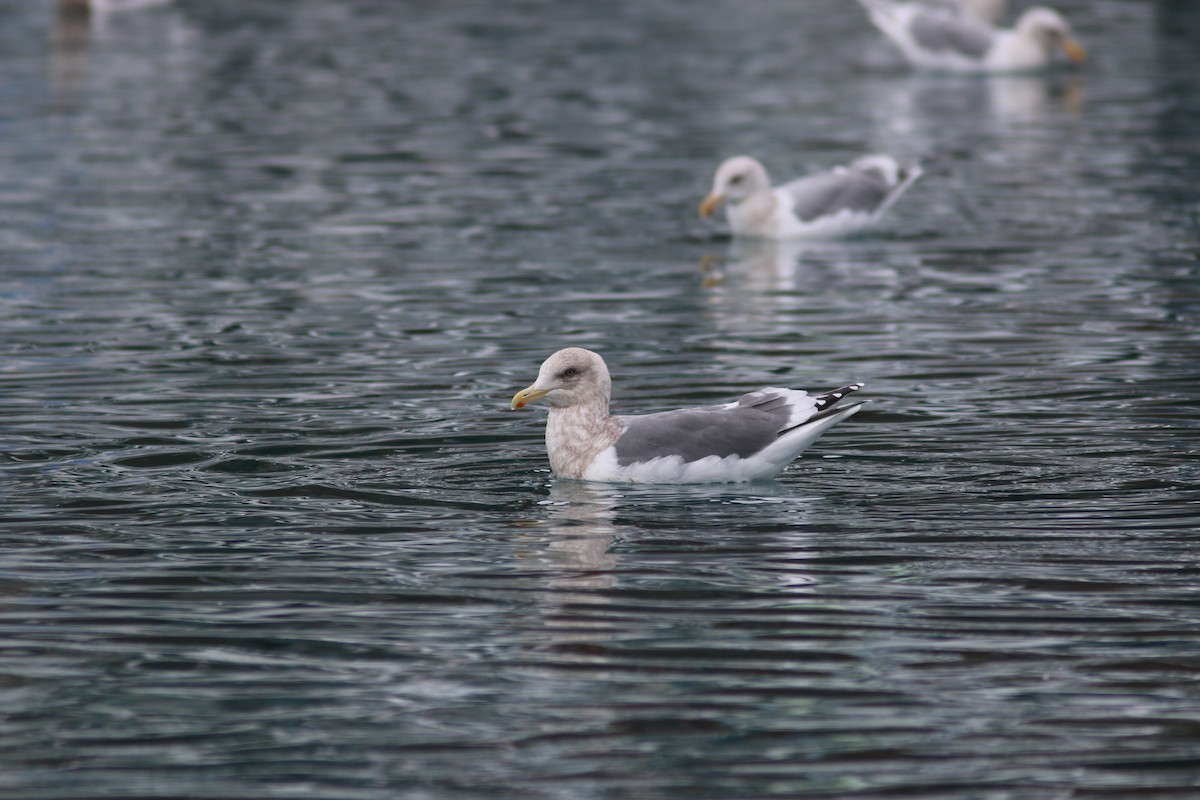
829 204
753 438
933 37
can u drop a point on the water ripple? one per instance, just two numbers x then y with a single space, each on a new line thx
269 530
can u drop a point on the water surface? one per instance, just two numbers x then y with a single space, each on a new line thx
270 272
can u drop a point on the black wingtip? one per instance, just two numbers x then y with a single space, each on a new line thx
830 399
827 406
826 413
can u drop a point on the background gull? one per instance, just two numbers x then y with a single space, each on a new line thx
933 37
829 204
754 437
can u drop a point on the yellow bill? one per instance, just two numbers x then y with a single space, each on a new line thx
710 204
527 396
1074 50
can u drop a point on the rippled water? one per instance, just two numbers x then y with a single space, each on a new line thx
270 272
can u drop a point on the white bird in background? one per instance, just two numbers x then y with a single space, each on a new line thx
829 204
754 437
933 37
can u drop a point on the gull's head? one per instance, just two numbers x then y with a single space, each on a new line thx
570 377
1049 29
737 179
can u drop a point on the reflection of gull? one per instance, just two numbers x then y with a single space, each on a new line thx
584 508
761 285
766 264
916 111
935 38
68 62
573 561
580 516
1024 97
754 437
82 22
829 204
773 265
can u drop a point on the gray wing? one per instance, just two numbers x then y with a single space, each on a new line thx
938 31
853 189
696 433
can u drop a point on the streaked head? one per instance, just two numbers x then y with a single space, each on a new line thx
570 377
1050 29
737 179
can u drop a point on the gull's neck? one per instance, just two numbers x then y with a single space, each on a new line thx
752 216
576 434
1017 50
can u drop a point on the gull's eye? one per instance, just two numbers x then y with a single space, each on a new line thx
735 179
569 372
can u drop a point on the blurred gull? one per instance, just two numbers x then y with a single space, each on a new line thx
933 37
754 437
828 204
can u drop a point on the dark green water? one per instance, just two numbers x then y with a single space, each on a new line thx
270 271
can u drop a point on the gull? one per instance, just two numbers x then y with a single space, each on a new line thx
933 37
839 202
754 437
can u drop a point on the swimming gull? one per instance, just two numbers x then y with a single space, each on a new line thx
829 204
933 37
754 437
